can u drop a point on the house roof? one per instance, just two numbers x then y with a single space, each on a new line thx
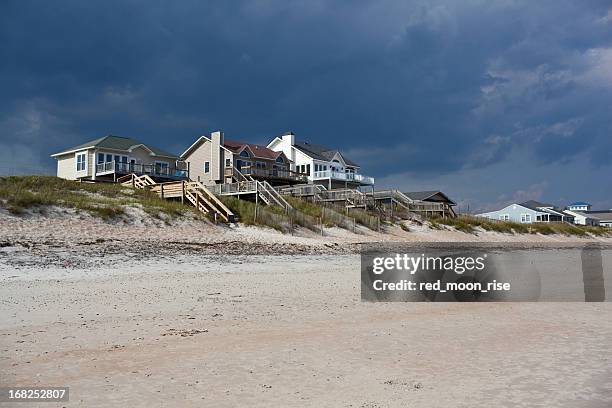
257 150
321 152
582 213
117 143
424 195
605 215
579 203
536 205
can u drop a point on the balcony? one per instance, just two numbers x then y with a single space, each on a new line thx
282 174
154 170
336 175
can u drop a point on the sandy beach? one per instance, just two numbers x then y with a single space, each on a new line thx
198 315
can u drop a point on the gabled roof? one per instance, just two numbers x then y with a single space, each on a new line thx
257 150
320 152
425 195
536 205
116 143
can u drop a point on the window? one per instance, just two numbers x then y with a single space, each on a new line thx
308 169
228 162
526 218
109 158
504 217
206 167
260 165
244 153
280 160
80 161
100 158
162 168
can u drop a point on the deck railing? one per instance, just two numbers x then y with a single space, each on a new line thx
138 168
273 173
338 175
234 188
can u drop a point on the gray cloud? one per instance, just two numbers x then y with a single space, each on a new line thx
436 88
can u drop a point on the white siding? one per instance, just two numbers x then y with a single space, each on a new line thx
66 167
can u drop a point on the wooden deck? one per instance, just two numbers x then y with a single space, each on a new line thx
192 192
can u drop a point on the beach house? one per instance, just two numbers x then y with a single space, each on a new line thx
529 212
320 164
434 197
216 160
603 216
110 157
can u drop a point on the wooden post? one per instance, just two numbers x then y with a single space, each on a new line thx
161 187
354 225
183 191
321 219
197 200
378 228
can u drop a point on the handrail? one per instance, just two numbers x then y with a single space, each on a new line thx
139 168
225 213
275 195
277 173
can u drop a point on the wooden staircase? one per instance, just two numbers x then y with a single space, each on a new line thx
270 196
193 191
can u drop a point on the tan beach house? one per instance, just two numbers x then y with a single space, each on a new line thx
110 157
216 160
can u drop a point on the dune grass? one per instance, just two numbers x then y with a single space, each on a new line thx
268 216
469 224
20 194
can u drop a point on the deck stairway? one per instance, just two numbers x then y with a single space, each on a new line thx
136 181
270 196
303 191
246 184
193 191
393 197
351 198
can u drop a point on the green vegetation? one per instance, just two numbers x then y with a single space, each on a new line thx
469 224
104 200
268 216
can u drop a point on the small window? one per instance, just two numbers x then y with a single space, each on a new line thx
80 162
206 167
308 169
100 158
244 153
280 160
228 162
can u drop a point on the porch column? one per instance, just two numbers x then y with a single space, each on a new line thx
94 165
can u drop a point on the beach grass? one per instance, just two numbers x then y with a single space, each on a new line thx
22 194
470 225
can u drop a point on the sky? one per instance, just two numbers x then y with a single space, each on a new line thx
492 102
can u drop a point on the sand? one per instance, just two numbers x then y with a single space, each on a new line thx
144 316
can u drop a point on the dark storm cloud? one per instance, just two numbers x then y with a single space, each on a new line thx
433 86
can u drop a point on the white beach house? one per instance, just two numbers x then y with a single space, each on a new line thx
321 164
